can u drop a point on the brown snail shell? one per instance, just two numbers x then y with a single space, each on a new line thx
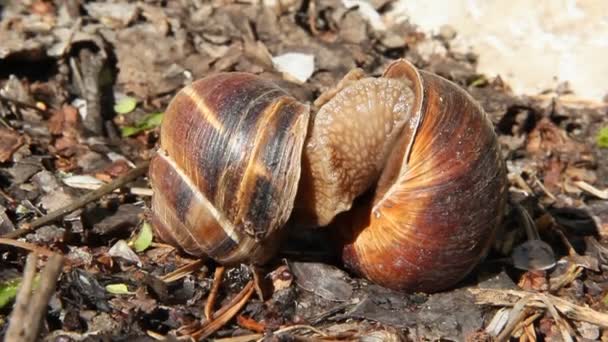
440 190
226 173
405 166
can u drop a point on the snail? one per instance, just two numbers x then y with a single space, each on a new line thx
405 167
226 173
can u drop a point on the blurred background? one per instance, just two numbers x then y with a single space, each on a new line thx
533 45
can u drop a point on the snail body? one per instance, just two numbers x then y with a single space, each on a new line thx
405 166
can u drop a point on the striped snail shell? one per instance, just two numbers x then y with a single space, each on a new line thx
226 173
406 167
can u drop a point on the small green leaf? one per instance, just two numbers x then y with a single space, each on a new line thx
128 131
125 105
479 81
22 210
143 240
10 287
154 120
149 121
8 291
117 289
602 137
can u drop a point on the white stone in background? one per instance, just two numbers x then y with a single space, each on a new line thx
297 66
428 48
113 15
533 45
368 12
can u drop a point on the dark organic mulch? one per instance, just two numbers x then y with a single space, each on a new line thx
65 64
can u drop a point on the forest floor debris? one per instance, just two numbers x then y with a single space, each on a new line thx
82 92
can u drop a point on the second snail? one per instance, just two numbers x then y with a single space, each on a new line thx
405 166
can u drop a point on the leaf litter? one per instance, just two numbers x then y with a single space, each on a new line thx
83 87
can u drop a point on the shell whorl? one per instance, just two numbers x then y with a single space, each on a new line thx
436 208
226 173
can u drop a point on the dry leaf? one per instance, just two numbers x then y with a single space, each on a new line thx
10 141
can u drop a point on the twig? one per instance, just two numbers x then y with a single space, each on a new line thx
215 289
138 191
258 281
527 323
601 194
5 124
225 314
156 336
7 197
297 327
327 314
141 169
48 281
561 324
17 325
498 322
27 246
521 182
29 309
242 338
573 272
516 316
182 271
537 300
544 189
23 104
